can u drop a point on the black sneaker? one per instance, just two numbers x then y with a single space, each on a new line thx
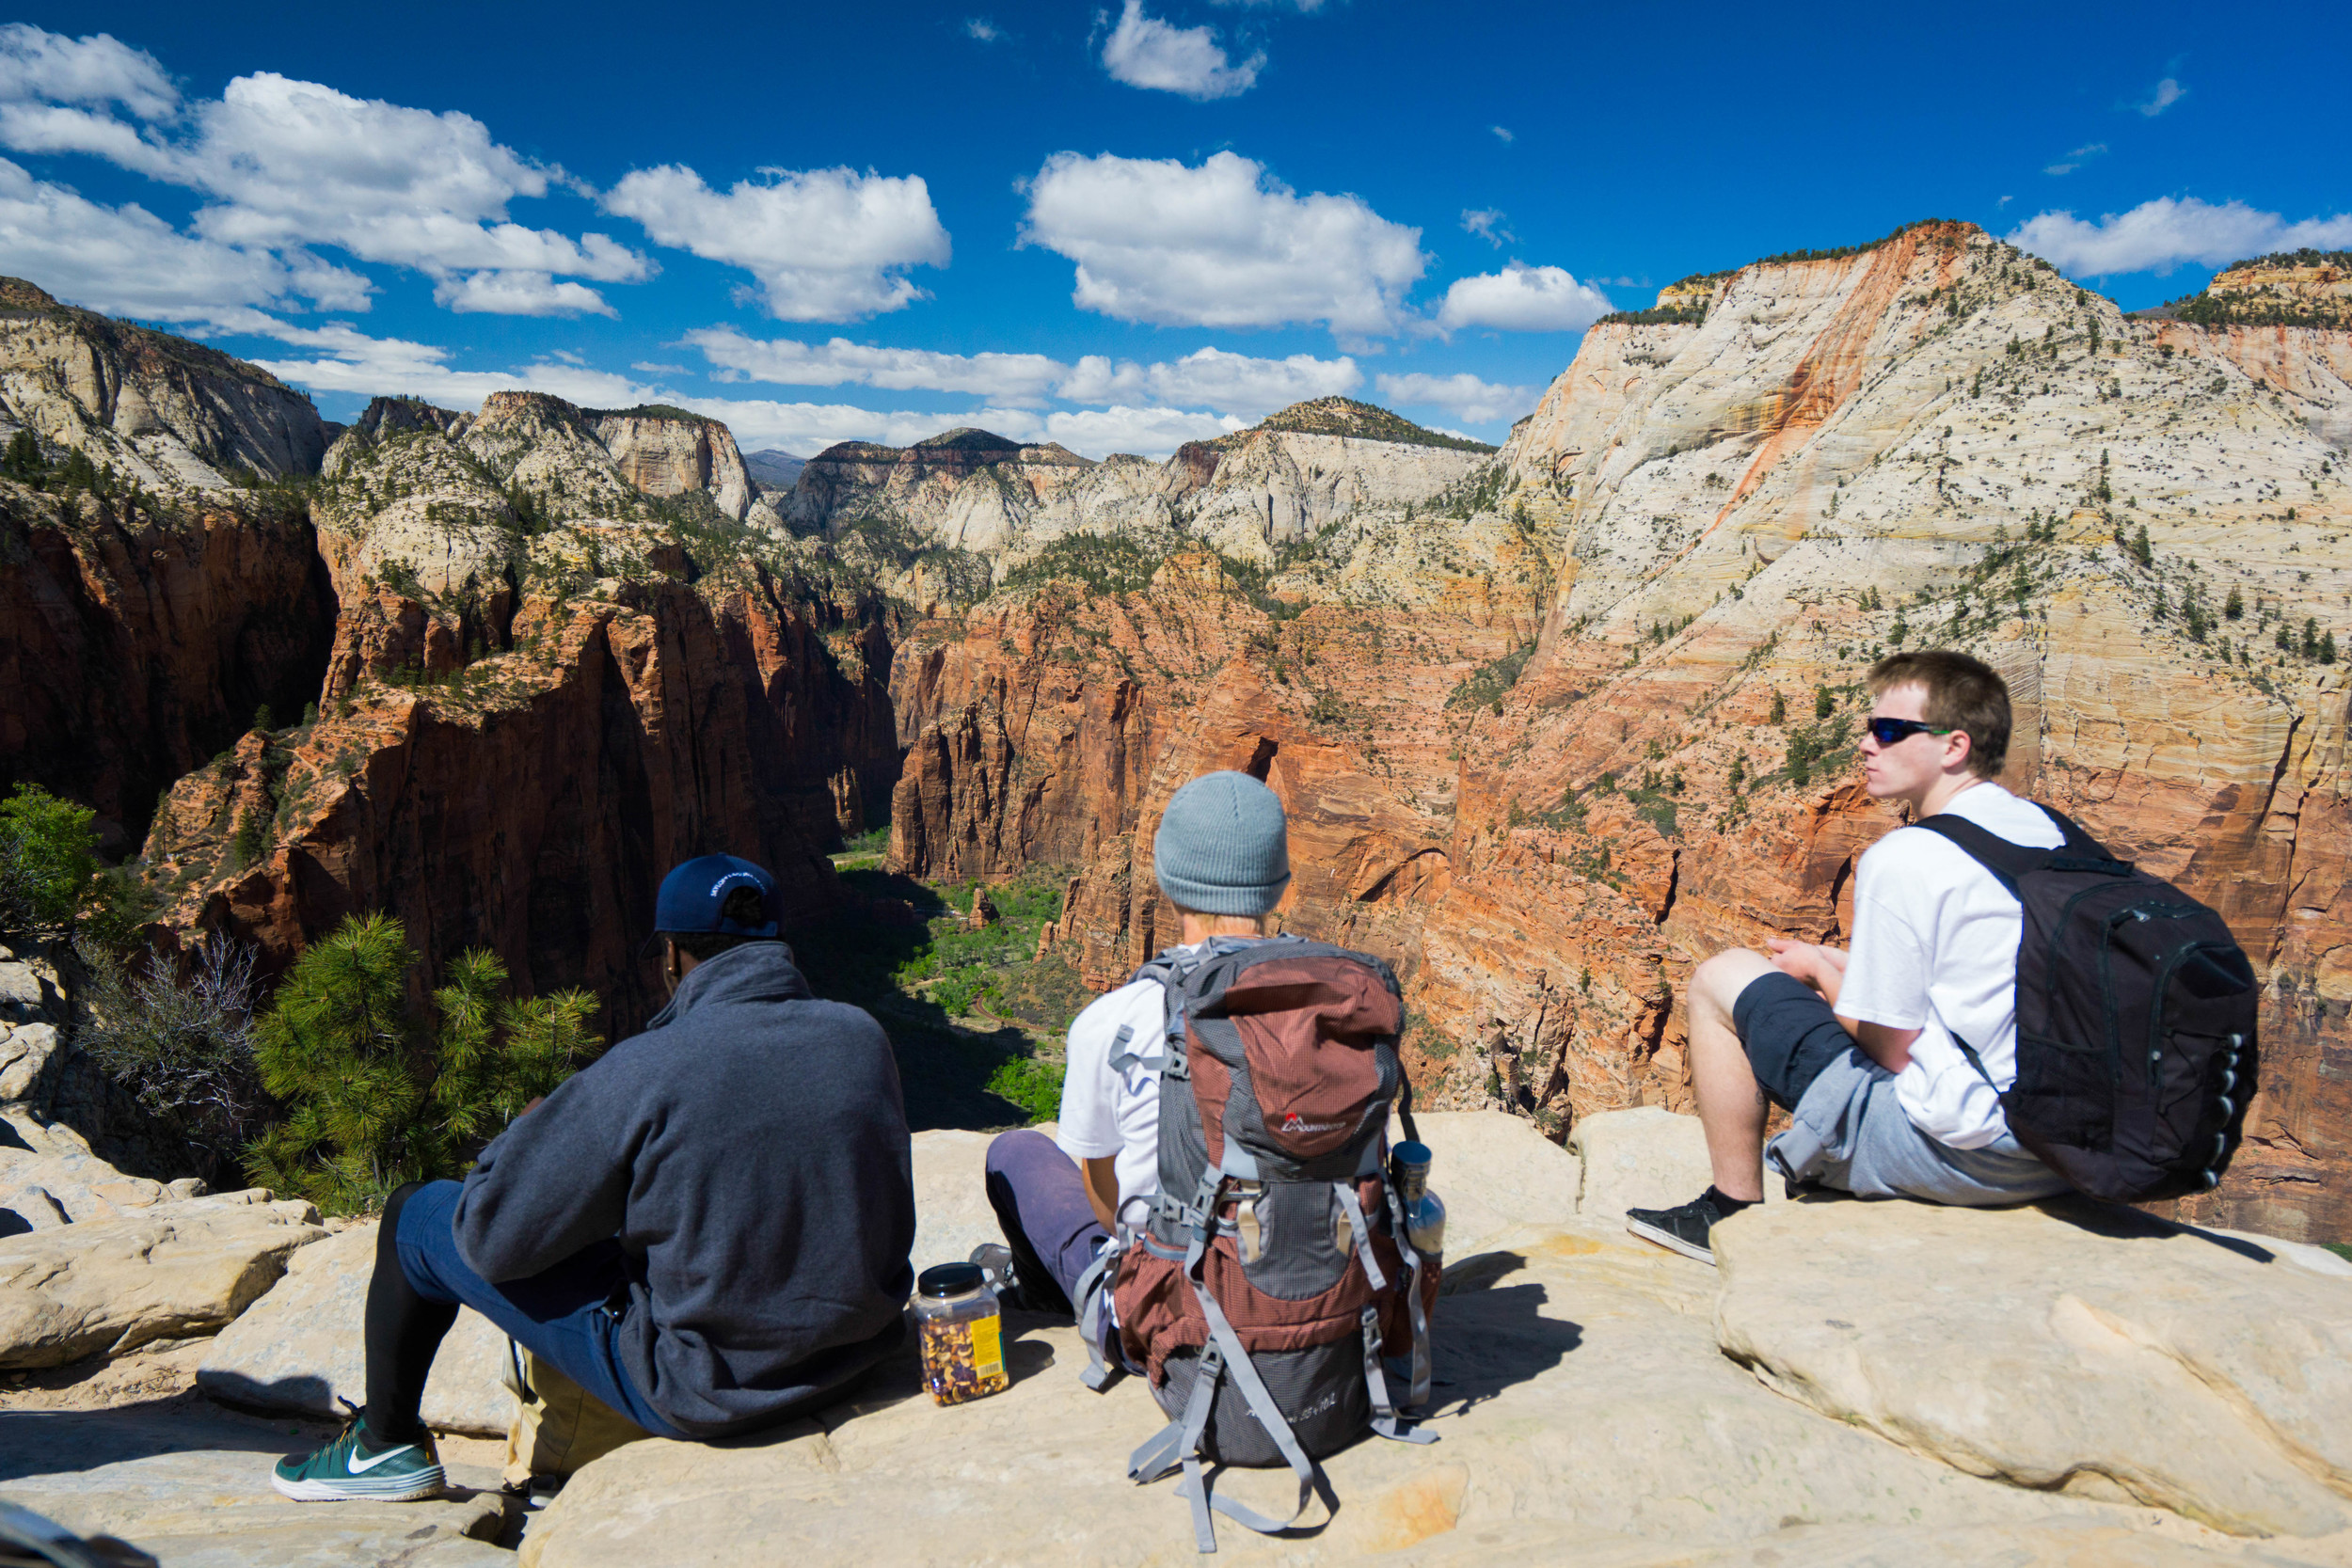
1683 1230
1003 1275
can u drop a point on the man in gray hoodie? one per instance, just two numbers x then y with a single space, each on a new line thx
707 1228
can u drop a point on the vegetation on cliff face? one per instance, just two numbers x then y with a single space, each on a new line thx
976 1013
1363 421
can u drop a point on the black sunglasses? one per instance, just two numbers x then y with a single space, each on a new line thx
1890 732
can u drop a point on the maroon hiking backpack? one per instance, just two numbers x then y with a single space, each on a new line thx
2135 1017
1272 1280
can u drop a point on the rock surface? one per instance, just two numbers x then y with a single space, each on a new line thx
1586 1416
547 786
186 1267
1301 474
191 1487
2067 1347
299 1348
172 413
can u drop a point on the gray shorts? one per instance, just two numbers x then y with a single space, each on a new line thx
1849 1132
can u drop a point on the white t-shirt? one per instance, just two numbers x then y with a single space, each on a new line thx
1936 949
1107 1112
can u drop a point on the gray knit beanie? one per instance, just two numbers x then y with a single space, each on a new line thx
1223 847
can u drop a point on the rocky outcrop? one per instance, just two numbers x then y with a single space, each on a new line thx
528 797
669 452
1305 474
169 414
299 1348
1587 1413
186 1267
1932 441
71 1132
2085 1344
137 638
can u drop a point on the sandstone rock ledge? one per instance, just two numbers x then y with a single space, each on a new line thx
1589 1414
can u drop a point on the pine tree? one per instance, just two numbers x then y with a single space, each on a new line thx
2141 551
1780 708
2234 605
2327 647
377 1098
1822 702
2311 639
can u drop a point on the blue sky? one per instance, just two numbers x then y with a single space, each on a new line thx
1119 227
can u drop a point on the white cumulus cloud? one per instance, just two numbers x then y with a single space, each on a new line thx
1521 298
127 261
1227 382
1222 244
43 67
507 293
1231 383
1144 52
1013 376
286 165
825 244
1479 401
2159 235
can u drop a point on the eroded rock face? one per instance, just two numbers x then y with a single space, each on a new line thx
531 800
135 642
1934 441
2070 1346
1326 472
174 415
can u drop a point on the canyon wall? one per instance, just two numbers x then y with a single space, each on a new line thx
529 798
168 412
1292 483
1931 441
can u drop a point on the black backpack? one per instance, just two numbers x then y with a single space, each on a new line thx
2135 1013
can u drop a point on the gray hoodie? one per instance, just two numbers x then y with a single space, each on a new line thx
750 1152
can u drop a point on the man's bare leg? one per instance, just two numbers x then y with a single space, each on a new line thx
1731 1105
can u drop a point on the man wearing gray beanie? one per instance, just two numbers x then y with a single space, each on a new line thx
1221 857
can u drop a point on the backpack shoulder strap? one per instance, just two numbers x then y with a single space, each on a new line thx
2006 862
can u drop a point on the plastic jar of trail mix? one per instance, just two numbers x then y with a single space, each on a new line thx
962 1334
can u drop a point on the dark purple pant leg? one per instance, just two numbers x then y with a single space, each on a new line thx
1040 1202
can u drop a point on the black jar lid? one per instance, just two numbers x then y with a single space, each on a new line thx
950 1279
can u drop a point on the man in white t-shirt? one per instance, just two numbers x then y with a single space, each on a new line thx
1221 857
1863 1047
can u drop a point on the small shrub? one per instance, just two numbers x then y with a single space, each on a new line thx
378 1095
185 1049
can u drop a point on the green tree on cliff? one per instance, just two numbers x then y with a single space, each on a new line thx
51 882
378 1094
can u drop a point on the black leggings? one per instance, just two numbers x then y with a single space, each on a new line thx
404 1330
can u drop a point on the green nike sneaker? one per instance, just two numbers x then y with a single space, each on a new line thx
347 1470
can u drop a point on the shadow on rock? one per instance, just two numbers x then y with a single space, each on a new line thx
52 1442
2116 1223
1488 1336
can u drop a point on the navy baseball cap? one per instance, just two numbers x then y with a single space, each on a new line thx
693 894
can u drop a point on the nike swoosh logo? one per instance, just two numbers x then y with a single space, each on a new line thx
361 1466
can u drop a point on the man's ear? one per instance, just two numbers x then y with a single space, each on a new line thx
1957 749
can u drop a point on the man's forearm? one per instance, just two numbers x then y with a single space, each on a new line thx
1890 1048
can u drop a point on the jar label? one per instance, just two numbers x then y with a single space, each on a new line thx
988 1348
